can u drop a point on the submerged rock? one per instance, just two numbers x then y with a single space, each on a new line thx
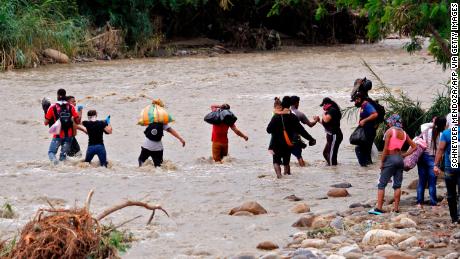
250 206
301 208
380 237
304 222
342 185
267 245
337 192
292 197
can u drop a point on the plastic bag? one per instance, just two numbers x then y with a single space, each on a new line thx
154 113
221 116
213 117
55 129
358 136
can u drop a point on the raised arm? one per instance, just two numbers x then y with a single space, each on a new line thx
176 135
238 132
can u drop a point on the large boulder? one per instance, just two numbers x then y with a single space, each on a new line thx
250 206
56 55
267 245
380 237
408 243
301 208
394 254
337 192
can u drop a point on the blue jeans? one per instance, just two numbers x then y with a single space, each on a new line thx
64 143
452 178
426 175
98 150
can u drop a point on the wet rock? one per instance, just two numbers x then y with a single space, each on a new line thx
384 247
243 213
271 256
393 254
301 208
292 197
413 185
337 223
337 192
453 255
408 243
342 185
320 222
251 206
56 55
304 222
356 205
315 243
457 235
349 249
338 240
308 253
267 245
380 237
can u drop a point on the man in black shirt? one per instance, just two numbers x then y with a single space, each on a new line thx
95 130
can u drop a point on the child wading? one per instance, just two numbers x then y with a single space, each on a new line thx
392 161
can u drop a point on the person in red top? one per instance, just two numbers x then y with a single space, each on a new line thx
220 136
67 115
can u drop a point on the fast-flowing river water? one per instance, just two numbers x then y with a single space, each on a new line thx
197 193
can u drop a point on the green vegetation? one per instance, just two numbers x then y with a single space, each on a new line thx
7 211
6 247
325 232
113 242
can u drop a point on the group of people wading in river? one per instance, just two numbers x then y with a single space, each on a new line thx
286 132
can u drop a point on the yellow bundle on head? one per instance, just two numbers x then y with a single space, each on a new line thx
154 113
158 102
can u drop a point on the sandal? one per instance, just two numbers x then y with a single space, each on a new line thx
376 211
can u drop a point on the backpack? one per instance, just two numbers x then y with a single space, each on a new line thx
380 110
64 116
154 131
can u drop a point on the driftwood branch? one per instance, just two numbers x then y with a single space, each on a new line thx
88 200
111 210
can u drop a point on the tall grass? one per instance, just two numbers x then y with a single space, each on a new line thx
29 27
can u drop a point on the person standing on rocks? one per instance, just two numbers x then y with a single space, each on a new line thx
66 114
367 120
219 135
425 165
451 175
298 143
392 164
331 123
283 128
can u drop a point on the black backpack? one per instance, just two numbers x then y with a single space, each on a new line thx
154 131
380 110
64 115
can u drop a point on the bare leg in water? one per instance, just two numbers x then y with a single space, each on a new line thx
277 170
397 198
301 162
287 169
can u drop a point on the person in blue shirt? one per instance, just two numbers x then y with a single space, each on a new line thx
367 118
451 175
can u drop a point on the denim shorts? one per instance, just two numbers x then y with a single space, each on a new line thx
392 167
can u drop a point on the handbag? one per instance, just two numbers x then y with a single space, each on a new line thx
286 136
411 160
358 137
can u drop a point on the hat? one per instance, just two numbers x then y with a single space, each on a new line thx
326 100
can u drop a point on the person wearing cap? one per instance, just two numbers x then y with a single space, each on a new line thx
331 123
299 145
367 120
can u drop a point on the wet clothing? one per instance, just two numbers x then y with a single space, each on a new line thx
452 179
96 146
153 149
297 148
363 151
98 150
51 116
57 142
95 131
157 156
333 126
74 148
331 149
425 167
292 126
282 158
219 151
392 167
220 133
300 115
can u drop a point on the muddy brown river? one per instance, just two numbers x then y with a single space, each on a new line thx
197 193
